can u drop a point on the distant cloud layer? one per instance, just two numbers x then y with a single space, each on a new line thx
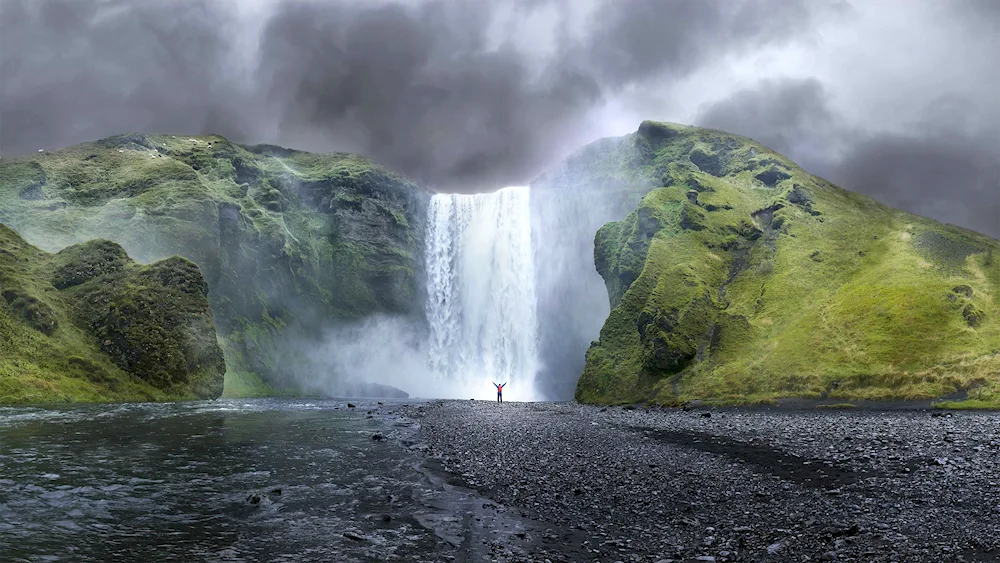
474 95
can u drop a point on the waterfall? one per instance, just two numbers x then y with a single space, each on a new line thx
481 301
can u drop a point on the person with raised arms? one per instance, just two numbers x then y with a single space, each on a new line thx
499 391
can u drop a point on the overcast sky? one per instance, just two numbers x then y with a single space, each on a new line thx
894 98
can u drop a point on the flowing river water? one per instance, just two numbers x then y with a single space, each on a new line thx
228 480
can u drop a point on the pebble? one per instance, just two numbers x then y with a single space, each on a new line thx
663 485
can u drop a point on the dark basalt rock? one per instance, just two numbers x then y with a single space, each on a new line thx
972 315
772 176
708 163
649 224
693 183
656 132
766 217
664 322
692 218
131 141
671 339
711 207
963 290
799 197
745 229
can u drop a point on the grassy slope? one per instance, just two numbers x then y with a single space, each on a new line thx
776 283
285 239
89 324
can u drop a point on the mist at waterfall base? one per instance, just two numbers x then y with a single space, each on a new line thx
512 296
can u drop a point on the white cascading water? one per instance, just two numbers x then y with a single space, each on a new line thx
481 303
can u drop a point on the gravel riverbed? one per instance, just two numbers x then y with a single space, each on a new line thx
631 484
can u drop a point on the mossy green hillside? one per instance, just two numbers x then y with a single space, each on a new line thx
739 277
287 241
90 324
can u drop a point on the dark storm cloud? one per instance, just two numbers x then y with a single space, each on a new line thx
418 88
425 87
472 95
642 38
408 87
951 177
945 165
72 71
790 116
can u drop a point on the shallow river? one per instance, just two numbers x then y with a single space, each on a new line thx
239 480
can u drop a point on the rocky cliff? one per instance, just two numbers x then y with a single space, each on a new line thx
289 242
89 323
738 277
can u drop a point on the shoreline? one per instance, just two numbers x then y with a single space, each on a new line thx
945 403
758 483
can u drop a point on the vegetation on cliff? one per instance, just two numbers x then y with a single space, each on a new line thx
738 277
287 241
90 324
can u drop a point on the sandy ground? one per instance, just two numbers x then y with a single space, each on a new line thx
629 484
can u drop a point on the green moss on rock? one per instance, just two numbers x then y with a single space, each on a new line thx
287 241
768 282
31 310
83 262
104 327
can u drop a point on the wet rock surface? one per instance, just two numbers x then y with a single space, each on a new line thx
635 484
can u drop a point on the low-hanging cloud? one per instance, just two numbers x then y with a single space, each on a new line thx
939 166
460 95
470 95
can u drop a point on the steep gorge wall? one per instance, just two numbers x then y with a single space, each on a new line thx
739 277
568 205
289 242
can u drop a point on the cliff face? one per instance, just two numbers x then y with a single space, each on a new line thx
89 323
288 241
737 276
